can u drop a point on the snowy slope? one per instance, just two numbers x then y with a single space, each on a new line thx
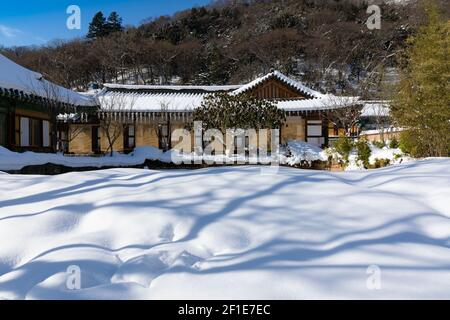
227 233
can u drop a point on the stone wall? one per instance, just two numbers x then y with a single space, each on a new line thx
387 136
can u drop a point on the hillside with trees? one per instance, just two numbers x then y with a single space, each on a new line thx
422 100
326 44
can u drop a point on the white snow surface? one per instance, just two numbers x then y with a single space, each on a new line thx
303 151
384 153
14 76
228 233
15 161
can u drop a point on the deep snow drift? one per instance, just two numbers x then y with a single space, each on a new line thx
242 232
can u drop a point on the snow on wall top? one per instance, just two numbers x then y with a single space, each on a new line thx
283 78
151 102
172 88
16 77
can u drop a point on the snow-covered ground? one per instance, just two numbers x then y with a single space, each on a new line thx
294 153
10 160
299 151
230 232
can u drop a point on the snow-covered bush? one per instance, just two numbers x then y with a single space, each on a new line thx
380 163
364 152
379 144
344 146
333 155
393 144
379 157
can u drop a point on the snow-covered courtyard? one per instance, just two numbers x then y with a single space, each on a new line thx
228 233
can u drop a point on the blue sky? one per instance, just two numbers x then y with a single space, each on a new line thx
31 22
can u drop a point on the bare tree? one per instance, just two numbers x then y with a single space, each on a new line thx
163 129
68 130
116 110
343 112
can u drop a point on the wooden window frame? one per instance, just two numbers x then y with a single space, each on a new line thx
96 146
34 141
3 129
316 122
127 136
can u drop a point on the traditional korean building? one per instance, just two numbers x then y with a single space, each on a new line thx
149 113
29 105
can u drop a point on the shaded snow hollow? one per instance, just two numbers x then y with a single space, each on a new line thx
230 232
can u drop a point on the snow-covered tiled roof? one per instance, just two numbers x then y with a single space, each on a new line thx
375 109
153 102
326 102
151 98
283 78
16 77
150 102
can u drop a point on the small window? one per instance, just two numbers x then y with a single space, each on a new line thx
36 132
24 132
164 137
129 137
96 139
2 129
314 130
62 144
314 134
45 133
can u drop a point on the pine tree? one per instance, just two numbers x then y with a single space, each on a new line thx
422 104
98 27
224 111
114 23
